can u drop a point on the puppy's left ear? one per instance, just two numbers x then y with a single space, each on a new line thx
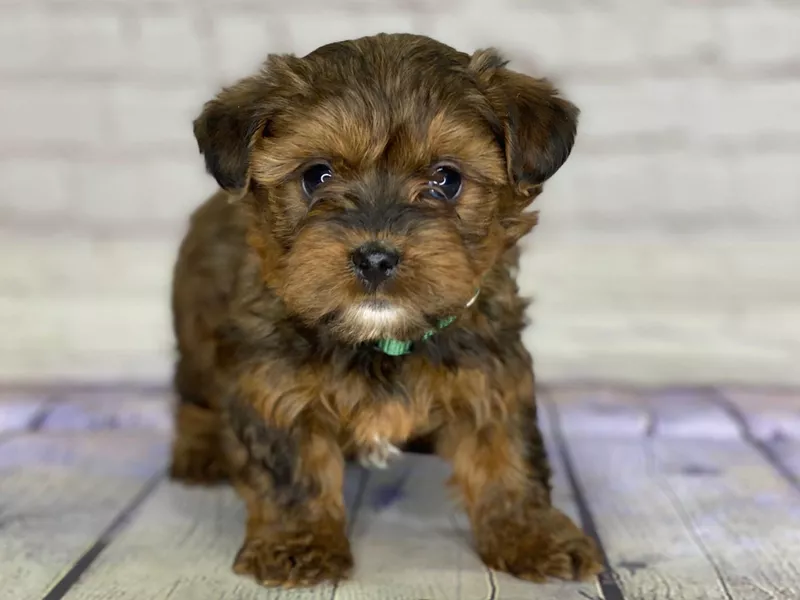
538 126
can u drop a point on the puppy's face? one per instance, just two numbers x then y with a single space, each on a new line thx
385 176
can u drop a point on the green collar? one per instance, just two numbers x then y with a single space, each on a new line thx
394 347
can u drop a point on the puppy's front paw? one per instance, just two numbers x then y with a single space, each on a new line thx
378 454
543 543
295 559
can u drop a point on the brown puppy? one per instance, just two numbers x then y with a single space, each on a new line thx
351 287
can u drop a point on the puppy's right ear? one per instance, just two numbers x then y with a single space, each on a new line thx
229 126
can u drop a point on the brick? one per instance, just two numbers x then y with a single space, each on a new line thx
138 195
700 110
343 8
51 269
673 193
564 6
534 41
155 115
87 43
24 41
113 6
680 34
536 44
717 5
742 109
603 39
767 191
169 45
307 31
35 42
757 36
86 338
643 107
33 188
601 193
41 114
696 193
241 44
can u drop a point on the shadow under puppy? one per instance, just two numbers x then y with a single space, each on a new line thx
351 288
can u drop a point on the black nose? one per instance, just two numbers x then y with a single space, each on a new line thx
375 264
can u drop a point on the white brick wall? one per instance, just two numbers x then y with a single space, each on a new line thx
168 46
670 242
90 44
764 35
35 115
147 115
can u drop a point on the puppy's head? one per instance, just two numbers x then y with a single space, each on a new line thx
385 175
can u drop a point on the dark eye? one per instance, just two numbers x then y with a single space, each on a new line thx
444 184
315 176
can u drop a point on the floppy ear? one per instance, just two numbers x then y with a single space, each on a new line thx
229 126
538 126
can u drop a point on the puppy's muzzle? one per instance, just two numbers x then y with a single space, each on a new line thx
374 264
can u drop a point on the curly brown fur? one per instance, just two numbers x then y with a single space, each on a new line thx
278 375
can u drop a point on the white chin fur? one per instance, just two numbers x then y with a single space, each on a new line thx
374 321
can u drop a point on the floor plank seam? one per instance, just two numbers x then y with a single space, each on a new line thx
762 447
492 584
674 500
491 577
82 565
38 421
607 581
358 502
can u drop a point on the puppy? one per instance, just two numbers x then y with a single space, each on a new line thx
350 289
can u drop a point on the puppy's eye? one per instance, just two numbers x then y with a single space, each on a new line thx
315 176
444 184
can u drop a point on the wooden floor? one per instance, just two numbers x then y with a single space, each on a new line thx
693 494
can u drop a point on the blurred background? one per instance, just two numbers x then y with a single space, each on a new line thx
669 244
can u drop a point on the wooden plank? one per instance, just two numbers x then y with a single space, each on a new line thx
565 498
409 542
652 554
683 517
669 412
743 513
602 411
771 423
120 410
787 452
59 493
690 413
770 415
412 542
181 545
19 412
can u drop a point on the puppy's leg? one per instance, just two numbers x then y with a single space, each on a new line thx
196 456
503 479
291 481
